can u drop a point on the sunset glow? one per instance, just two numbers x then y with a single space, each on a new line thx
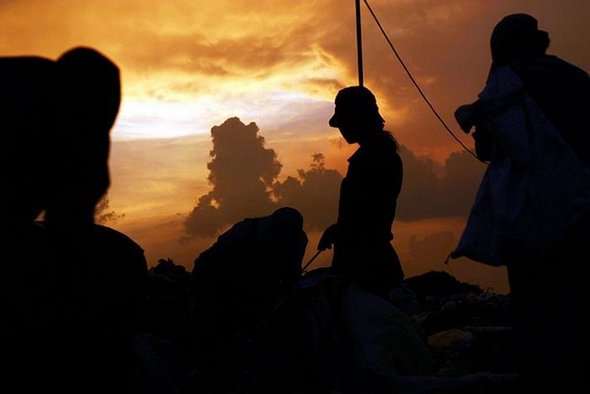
187 66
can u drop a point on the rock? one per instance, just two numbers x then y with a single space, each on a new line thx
450 338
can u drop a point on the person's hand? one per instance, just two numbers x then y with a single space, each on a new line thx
467 116
328 238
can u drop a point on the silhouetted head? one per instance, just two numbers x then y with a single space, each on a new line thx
287 218
89 95
356 113
26 125
516 36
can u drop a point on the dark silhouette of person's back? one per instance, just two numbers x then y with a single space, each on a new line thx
238 282
96 290
78 287
25 109
248 270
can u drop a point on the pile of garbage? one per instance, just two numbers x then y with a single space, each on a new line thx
467 329
435 334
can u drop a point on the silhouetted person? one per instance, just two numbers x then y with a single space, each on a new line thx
368 196
25 109
531 213
238 281
95 282
248 270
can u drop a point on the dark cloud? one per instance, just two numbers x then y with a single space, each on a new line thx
418 198
244 178
241 172
426 195
315 193
103 214
463 174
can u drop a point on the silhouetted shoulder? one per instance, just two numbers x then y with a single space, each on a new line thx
562 91
117 275
547 64
109 241
111 236
108 249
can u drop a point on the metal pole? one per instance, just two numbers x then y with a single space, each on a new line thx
359 41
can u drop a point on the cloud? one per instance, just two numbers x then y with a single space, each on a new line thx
463 174
241 172
244 176
315 193
425 194
103 214
418 197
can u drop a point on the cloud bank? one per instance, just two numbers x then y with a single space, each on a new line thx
244 179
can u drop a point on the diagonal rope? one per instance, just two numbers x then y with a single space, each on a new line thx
406 69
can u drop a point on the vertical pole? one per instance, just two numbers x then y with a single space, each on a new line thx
359 41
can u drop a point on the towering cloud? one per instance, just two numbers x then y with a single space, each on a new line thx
242 171
244 179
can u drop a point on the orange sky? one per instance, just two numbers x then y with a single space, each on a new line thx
187 66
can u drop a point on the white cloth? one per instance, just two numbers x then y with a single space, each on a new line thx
386 341
535 187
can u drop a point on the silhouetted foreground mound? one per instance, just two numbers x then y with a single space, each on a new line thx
467 329
435 335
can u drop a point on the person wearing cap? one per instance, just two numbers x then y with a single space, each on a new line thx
533 207
368 196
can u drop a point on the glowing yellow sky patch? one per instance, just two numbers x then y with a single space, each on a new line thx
180 104
164 119
170 119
